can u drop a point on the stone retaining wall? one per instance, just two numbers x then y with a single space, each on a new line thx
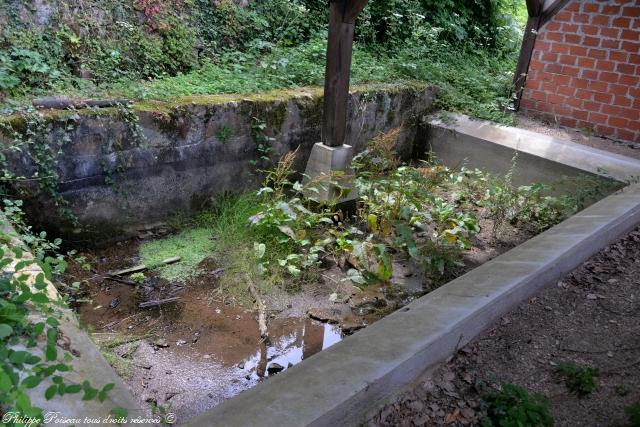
195 149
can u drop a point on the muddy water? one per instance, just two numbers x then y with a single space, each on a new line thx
190 355
188 382
198 352
193 354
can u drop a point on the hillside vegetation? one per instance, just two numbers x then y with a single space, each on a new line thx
156 49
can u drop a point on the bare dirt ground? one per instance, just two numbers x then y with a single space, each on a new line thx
590 317
623 148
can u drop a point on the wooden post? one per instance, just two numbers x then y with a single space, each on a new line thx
342 18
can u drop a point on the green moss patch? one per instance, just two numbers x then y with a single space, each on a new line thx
192 246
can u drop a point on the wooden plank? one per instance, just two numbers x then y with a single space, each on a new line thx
534 7
171 260
142 267
342 16
135 269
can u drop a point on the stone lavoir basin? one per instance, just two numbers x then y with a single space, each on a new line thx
193 355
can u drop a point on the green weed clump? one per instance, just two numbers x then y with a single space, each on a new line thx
513 406
580 380
428 213
634 414
538 205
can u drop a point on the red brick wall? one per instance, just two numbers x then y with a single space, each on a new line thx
585 69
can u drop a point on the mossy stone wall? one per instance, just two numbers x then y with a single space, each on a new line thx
195 149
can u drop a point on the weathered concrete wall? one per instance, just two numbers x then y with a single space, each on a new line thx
197 148
461 140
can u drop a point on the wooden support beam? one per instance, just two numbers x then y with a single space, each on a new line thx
538 16
534 8
551 10
342 18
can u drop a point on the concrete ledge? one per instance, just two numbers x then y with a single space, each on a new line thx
325 161
344 383
460 139
90 365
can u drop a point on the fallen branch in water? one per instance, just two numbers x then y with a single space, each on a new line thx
142 267
262 310
158 302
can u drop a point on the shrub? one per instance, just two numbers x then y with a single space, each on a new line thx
578 379
513 406
634 414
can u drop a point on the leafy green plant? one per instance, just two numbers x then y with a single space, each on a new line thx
580 380
224 134
513 406
634 414
34 138
284 223
20 66
400 201
262 140
533 204
138 278
29 321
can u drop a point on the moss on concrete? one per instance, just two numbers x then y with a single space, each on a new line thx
166 106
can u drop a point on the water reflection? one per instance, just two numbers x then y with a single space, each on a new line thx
305 339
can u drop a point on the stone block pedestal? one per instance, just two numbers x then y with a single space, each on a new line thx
323 162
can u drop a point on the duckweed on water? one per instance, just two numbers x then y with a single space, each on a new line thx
192 246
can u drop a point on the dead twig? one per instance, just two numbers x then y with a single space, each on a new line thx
142 267
120 280
158 302
262 310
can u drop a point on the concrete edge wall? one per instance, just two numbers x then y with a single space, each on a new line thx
459 137
89 365
345 383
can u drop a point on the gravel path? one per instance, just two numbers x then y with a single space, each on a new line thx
590 317
629 149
